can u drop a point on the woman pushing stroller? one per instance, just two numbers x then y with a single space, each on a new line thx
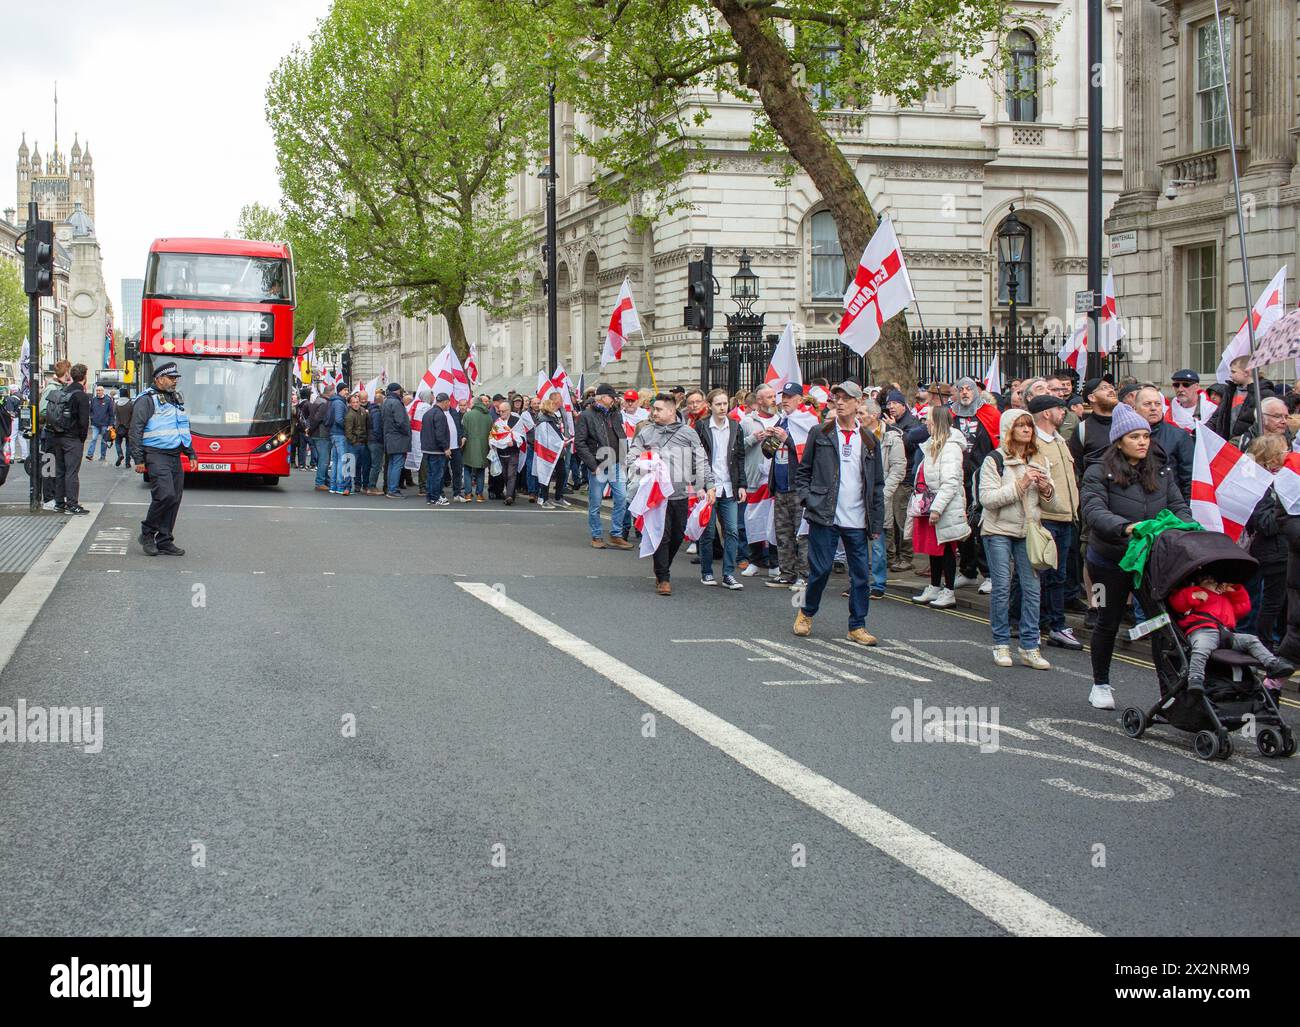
1208 612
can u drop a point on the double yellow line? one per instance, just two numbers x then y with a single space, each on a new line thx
1133 660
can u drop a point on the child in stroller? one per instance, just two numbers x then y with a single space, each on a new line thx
1208 612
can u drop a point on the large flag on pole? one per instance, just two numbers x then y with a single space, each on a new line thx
1287 483
1226 484
879 290
1075 351
622 323
445 374
1110 329
1268 308
471 365
784 367
558 382
305 358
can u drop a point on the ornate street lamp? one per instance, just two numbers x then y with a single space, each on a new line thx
744 329
744 285
1011 252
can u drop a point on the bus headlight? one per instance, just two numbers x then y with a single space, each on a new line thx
274 442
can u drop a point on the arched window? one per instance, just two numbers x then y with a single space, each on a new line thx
1024 271
1022 76
830 274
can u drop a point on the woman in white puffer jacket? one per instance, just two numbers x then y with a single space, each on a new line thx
937 534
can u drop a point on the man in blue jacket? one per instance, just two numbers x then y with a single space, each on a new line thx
441 437
338 410
841 480
102 415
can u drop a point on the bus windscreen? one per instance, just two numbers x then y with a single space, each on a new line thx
231 397
217 276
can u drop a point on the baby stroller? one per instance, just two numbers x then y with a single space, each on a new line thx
1234 682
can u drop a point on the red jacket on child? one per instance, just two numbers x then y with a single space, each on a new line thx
1225 607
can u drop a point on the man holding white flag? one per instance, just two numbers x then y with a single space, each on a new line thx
879 290
784 367
622 323
678 446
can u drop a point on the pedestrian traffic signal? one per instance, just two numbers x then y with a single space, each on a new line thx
38 259
699 295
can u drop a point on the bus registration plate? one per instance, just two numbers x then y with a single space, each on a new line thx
214 467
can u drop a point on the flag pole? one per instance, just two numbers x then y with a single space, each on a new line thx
1241 221
650 364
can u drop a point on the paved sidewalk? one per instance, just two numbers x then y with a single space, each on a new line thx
23 537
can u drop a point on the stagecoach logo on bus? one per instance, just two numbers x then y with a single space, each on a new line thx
233 332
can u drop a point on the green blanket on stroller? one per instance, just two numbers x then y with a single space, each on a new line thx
1144 536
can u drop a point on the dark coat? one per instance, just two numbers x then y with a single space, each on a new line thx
356 426
101 411
122 416
316 411
596 431
1268 544
736 447
1089 442
374 410
1290 530
1108 508
979 444
435 435
336 414
1178 449
395 425
1230 420
817 478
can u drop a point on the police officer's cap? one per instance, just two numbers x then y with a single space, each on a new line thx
169 368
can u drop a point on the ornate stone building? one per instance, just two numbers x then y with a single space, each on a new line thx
1173 232
947 171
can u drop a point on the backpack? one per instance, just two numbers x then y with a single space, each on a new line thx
975 511
58 412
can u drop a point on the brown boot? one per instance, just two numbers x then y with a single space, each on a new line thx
617 542
664 588
597 543
802 624
862 637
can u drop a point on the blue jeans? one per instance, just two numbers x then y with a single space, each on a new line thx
1000 551
727 509
533 487
338 450
822 543
396 461
595 492
101 434
879 563
435 466
321 447
1053 581
476 477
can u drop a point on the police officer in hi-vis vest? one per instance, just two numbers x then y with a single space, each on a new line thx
160 433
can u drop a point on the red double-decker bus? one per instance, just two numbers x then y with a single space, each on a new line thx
222 309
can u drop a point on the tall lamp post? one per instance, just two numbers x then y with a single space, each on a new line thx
1011 251
552 310
744 326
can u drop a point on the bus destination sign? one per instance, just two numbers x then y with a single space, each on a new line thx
217 331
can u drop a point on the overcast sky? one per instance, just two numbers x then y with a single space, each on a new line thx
170 96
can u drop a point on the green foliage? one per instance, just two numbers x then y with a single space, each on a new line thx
319 303
638 67
13 311
398 129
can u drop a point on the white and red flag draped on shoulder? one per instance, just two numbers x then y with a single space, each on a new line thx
1226 484
1287 483
471 364
879 290
1075 351
800 423
622 323
447 375
1187 417
633 420
1110 329
699 517
650 503
760 509
993 377
1268 308
416 410
547 446
784 367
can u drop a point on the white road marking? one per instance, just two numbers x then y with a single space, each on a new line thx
988 893
110 542
24 602
300 509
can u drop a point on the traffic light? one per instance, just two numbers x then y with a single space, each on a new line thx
347 365
38 259
699 294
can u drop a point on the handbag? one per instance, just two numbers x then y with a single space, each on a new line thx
922 497
1038 541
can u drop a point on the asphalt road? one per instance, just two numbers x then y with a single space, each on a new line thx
558 750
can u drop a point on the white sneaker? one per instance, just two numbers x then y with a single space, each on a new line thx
798 584
693 549
48 506
1101 697
774 572
931 592
963 581
1033 658
1002 655
987 587
946 597
750 571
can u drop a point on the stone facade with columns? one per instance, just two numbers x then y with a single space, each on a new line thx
1173 235
947 171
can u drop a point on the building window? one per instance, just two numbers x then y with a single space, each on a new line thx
819 87
1024 273
1022 77
830 274
1211 97
1202 308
